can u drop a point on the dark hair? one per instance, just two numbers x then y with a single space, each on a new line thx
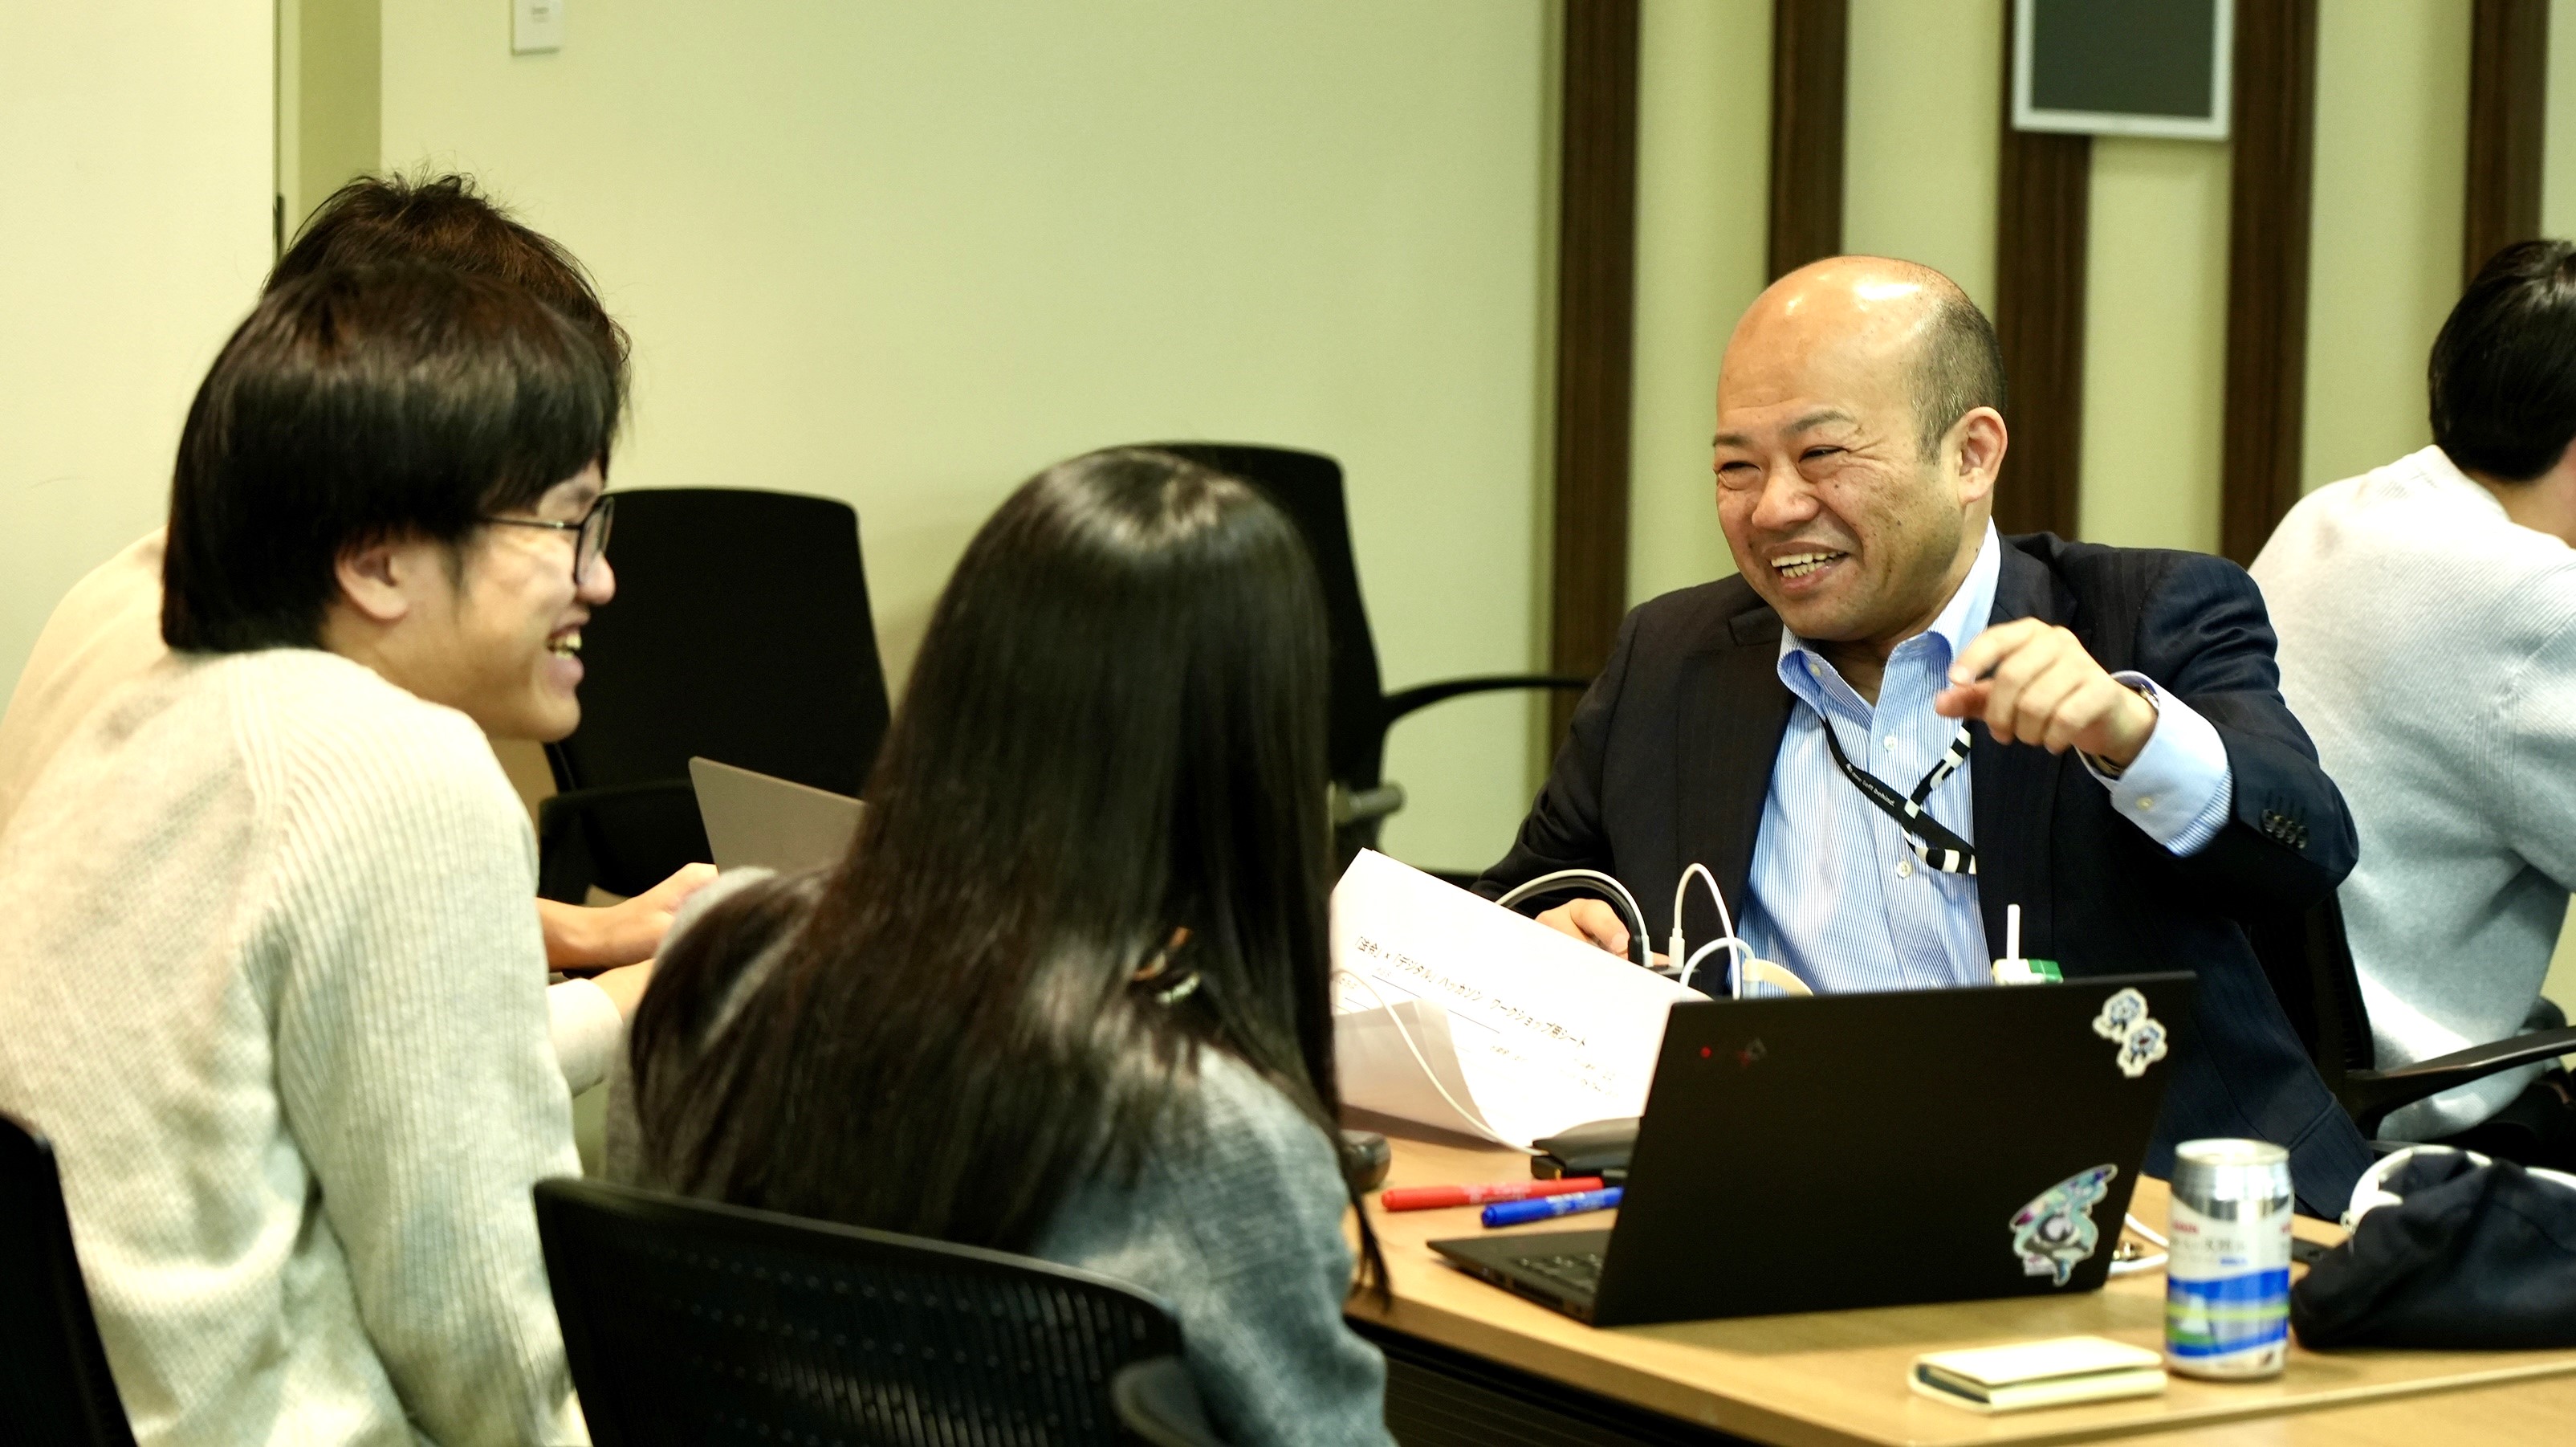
1115 730
445 221
2503 371
1960 367
354 406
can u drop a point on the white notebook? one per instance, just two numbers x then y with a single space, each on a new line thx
2057 1372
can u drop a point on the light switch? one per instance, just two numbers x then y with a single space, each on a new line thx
536 25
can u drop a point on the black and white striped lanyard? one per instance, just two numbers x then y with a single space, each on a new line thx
1931 843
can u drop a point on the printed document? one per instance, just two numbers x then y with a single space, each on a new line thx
1454 1012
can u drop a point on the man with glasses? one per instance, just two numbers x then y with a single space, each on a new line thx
271 980
107 631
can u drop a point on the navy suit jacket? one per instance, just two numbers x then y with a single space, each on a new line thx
1670 761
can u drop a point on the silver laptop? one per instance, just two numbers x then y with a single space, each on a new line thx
754 820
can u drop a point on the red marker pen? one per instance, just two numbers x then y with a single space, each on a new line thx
1423 1198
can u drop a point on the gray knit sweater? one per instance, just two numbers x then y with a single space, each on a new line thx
272 985
2428 643
1236 1223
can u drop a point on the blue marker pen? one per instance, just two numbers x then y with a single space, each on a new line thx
1512 1213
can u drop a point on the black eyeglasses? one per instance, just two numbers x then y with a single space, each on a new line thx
590 540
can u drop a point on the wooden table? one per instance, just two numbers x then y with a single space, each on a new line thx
1840 1377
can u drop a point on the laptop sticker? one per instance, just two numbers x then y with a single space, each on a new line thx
2120 1012
2055 1233
2141 1037
2143 1046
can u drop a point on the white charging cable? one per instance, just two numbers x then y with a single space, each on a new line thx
1744 968
1637 938
1679 947
1473 1121
2149 1261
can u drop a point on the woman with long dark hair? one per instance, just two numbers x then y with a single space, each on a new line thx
1066 995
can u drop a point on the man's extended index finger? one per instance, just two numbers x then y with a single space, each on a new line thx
1988 649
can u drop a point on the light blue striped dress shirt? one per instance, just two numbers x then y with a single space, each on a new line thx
1838 897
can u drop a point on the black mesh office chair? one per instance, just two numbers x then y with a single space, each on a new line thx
698 1323
54 1383
1308 486
2310 965
740 632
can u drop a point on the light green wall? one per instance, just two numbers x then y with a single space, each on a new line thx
1703 162
2558 143
134 232
2391 161
328 108
1919 155
906 255
2155 343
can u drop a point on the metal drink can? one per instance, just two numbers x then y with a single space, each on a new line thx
2227 1279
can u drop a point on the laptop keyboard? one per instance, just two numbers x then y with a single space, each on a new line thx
1580 1270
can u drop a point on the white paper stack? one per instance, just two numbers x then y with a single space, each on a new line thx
1515 1031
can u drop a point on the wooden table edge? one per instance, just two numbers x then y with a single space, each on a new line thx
1662 1395
1732 1409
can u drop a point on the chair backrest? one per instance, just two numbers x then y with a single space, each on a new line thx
54 1383
693 1322
2309 963
1308 487
741 632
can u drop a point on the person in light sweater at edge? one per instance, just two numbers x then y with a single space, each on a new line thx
2451 569
272 984
107 630
1065 995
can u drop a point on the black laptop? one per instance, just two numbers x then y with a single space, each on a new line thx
1816 1153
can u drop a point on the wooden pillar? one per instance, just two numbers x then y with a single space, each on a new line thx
2508 95
2043 223
1595 336
1810 64
2274 141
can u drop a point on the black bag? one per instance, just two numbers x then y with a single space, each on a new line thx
2447 1250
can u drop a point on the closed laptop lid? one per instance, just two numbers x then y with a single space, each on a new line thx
1835 1151
754 820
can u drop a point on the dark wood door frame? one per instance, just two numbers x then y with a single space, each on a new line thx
1810 73
2043 225
2508 102
1596 285
2269 215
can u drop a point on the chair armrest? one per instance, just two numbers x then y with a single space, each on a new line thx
2371 1094
1158 1401
1358 806
1423 696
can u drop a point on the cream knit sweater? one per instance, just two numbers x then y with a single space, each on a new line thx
272 985
2428 643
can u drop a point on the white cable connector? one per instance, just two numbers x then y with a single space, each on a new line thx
1637 936
1679 948
1733 946
1743 966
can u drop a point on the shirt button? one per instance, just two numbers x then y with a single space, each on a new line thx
1891 743
2146 801
1905 869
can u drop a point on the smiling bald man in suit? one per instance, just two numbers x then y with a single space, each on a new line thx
2095 734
